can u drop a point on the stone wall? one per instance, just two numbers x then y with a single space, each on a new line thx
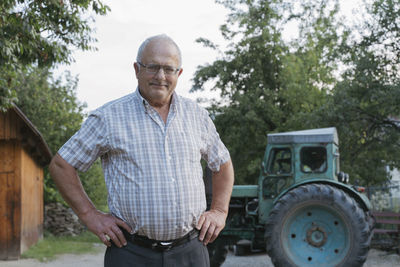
61 221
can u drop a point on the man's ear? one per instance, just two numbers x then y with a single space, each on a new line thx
136 66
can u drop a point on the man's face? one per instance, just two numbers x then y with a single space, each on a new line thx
158 87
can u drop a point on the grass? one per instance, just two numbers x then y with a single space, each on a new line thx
51 246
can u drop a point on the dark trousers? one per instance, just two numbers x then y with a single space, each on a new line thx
190 254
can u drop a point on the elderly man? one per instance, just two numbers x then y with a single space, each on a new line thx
150 143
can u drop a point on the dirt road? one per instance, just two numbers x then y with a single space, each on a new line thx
376 258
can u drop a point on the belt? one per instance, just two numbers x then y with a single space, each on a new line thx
158 245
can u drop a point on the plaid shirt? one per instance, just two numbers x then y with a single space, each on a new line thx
152 169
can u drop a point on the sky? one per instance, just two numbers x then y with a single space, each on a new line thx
108 73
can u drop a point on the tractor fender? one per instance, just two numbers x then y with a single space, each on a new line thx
360 198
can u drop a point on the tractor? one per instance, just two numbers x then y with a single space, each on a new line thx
302 212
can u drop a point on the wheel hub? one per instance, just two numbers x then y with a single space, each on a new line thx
316 236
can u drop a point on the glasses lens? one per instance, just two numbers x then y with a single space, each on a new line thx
168 70
153 68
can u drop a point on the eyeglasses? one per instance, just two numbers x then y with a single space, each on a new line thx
154 68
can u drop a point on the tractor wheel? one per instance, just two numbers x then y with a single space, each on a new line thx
317 225
217 252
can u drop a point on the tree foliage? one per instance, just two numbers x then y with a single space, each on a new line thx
364 105
41 33
52 106
329 75
35 36
265 81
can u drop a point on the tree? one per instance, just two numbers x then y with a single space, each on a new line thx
52 106
265 81
35 36
364 105
269 84
41 33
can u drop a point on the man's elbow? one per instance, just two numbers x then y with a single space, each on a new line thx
54 163
57 165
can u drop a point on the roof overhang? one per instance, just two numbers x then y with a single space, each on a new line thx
33 140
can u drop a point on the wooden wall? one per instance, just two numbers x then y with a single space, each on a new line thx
21 186
10 201
9 123
32 201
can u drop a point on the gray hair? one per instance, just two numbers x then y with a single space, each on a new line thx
158 37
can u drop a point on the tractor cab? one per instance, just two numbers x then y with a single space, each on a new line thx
293 157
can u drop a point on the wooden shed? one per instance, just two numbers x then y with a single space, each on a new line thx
23 155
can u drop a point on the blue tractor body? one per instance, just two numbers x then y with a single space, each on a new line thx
301 168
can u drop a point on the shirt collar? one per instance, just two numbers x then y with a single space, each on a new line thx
141 100
146 105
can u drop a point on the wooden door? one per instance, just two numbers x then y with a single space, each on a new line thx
9 203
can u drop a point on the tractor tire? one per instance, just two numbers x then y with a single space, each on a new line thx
217 252
318 225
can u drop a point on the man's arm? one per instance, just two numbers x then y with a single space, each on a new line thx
213 221
68 183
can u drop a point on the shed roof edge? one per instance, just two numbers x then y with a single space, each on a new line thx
44 147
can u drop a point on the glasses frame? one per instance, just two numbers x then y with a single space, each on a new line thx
175 70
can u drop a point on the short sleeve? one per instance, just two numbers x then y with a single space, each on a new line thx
86 145
216 153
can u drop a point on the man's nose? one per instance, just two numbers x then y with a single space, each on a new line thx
160 74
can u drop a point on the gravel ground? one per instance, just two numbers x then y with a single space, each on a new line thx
376 258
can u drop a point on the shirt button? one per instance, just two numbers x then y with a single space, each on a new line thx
172 180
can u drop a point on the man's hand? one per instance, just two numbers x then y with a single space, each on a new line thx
213 221
106 227
210 225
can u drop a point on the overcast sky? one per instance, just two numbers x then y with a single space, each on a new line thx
108 73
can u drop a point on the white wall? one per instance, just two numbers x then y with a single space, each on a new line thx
396 181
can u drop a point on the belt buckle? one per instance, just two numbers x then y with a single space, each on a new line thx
164 246
165 243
